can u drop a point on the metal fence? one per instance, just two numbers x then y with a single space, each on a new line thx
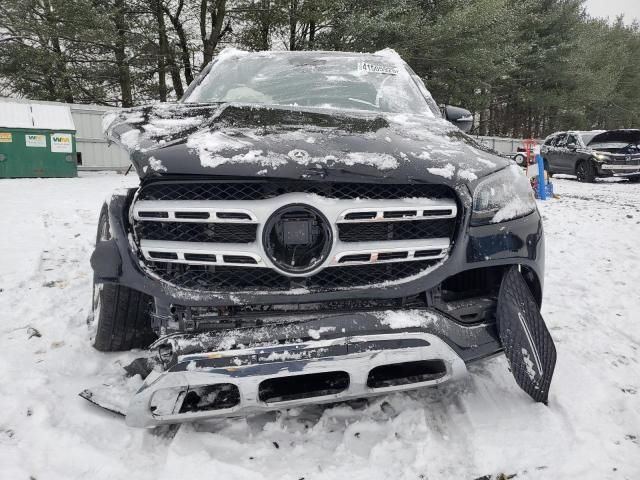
96 154
501 144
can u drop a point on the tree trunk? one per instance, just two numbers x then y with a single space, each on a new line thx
265 25
182 40
293 22
59 60
312 34
122 63
216 17
61 67
162 79
167 53
162 43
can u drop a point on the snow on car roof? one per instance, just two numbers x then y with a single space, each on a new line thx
232 51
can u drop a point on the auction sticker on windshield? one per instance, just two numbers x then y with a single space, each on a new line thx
61 142
377 68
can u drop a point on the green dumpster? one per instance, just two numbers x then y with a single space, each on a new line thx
37 141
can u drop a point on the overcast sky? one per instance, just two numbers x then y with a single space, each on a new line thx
612 8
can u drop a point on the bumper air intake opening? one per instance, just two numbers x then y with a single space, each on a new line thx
392 255
164 255
479 282
302 386
210 397
406 373
192 215
174 400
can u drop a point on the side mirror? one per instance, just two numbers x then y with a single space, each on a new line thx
460 117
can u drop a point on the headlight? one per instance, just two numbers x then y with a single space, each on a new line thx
602 157
503 196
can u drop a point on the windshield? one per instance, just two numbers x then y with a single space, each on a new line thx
351 82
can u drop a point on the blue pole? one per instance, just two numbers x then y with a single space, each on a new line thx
542 187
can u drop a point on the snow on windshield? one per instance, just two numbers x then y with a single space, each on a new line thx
379 82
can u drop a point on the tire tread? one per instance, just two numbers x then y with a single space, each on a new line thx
124 320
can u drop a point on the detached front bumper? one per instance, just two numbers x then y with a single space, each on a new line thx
319 361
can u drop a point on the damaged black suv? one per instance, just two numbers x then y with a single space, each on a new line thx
308 229
593 154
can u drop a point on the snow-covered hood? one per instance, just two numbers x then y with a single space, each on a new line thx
243 140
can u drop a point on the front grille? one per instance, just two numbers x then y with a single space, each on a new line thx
206 277
247 190
202 235
411 230
197 232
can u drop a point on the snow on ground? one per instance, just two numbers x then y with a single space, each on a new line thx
483 425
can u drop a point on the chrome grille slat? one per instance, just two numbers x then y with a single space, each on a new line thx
340 250
173 207
355 215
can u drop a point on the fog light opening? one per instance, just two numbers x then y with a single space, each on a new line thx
302 386
406 373
210 397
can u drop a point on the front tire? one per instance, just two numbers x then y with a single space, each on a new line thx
122 315
585 171
123 318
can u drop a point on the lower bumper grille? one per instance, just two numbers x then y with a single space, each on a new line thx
205 277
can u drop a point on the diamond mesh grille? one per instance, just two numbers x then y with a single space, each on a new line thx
248 190
197 232
411 230
221 278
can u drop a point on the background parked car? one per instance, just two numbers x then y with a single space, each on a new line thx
592 154
521 156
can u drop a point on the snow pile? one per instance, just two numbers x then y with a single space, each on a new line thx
381 161
516 207
467 175
162 127
217 148
156 165
407 319
316 333
447 171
